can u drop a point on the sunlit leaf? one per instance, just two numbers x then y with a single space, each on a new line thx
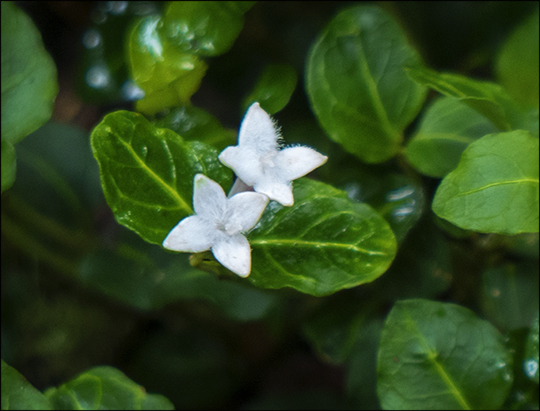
19 394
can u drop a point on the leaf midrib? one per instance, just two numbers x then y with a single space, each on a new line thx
500 183
313 244
160 181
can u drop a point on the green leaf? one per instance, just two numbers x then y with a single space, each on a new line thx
518 62
494 189
105 388
441 356
193 123
29 84
165 53
147 172
447 128
320 245
206 28
274 88
357 84
19 394
510 295
530 364
489 99
166 74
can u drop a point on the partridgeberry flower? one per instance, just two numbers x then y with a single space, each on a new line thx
259 163
218 224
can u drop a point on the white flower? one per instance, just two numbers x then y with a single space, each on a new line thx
217 224
257 161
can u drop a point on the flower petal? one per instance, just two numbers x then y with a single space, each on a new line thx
258 130
193 234
246 163
296 162
209 200
235 254
276 190
245 210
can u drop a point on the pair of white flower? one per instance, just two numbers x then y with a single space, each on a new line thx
220 221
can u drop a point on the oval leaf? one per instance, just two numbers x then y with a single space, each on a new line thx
441 356
447 128
105 388
320 245
147 172
29 84
494 189
357 84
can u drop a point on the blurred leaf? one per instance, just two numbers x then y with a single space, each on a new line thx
147 172
205 28
357 84
517 64
494 189
530 365
333 328
29 84
148 278
441 356
362 366
9 165
274 88
103 73
193 123
320 245
489 99
165 53
19 394
510 295
105 388
447 128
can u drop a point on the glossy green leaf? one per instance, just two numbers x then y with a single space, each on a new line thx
29 84
320 245
167 75
518 62
9 165
274 88
447 128
105 388
19 394
194 123
510 295
357 84
489 99
494 189
441 356
205 28
147 172
530 364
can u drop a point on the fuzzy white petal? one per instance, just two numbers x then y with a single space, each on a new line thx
245 162
296 162
235 254
258 130
277 190
193 235
209 200
245 210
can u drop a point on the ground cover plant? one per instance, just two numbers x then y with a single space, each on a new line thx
270 205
